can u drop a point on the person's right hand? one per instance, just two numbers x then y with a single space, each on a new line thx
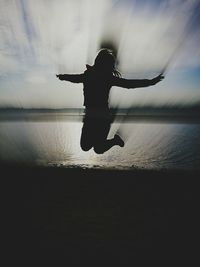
60 76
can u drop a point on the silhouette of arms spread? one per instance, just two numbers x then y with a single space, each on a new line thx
75 78
135 83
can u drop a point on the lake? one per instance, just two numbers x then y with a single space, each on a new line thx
148 144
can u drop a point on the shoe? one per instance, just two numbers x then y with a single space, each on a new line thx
118 140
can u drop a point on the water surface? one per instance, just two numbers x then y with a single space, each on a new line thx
148 145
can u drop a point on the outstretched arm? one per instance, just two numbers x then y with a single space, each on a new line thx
75 78
132 83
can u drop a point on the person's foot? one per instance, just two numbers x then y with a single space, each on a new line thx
118 140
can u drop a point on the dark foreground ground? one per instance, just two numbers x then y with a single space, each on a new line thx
81 209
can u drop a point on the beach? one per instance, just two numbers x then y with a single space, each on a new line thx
55 207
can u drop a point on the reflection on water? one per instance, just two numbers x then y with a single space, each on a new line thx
147 145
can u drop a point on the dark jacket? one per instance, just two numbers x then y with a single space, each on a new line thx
97 85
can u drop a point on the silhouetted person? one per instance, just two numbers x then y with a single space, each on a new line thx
97 81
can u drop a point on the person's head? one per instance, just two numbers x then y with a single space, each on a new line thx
105 61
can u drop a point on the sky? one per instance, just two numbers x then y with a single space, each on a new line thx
41 38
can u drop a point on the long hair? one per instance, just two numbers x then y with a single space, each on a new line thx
106 60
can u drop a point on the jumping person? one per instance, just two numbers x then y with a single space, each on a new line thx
97 81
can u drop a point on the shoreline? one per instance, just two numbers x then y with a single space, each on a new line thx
80 169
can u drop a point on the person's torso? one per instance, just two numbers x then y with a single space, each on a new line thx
96 88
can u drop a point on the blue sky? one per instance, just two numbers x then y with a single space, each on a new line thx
41 38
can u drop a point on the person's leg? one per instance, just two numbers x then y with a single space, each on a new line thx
108 144
102 144
86 141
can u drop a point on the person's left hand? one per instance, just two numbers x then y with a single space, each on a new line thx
157 79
